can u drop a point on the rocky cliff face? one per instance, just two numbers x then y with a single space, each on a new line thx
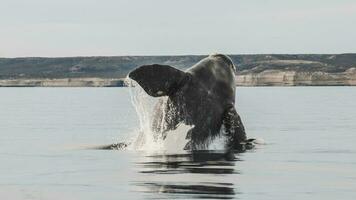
295 78
64 82
253 70
297 70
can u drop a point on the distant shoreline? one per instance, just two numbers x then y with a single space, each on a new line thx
110 71
297 78
266 78
63 82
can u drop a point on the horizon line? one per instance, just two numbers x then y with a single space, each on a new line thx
178 55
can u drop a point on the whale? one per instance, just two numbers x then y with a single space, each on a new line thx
203 97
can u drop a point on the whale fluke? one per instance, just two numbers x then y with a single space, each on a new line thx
159 80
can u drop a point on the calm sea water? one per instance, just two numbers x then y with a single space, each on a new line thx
310 150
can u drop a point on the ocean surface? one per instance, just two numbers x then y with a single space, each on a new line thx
48 138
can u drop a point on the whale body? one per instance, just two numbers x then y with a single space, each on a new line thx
203 97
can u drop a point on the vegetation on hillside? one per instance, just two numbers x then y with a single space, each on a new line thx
119 66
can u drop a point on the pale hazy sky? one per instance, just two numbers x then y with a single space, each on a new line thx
165 27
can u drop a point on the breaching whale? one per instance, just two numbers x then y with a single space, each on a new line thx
203 96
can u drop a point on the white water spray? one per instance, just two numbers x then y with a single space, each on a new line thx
145 109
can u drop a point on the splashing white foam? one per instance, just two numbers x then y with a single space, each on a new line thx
144 138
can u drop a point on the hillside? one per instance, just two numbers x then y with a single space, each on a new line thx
268 69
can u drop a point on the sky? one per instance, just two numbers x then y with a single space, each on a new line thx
58 28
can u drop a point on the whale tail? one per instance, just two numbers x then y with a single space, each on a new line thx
159 80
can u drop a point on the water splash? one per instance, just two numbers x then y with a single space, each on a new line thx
146 139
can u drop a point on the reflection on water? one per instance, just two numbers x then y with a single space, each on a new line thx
195 175
310 154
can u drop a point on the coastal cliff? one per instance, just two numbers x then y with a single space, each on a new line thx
252 70
63 82
295 78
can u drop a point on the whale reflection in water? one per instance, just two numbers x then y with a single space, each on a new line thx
196 175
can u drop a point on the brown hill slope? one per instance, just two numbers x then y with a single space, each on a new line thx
267 69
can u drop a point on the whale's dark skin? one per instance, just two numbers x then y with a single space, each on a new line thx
203 96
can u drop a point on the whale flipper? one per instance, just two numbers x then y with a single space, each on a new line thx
235 130
159 80
116 146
